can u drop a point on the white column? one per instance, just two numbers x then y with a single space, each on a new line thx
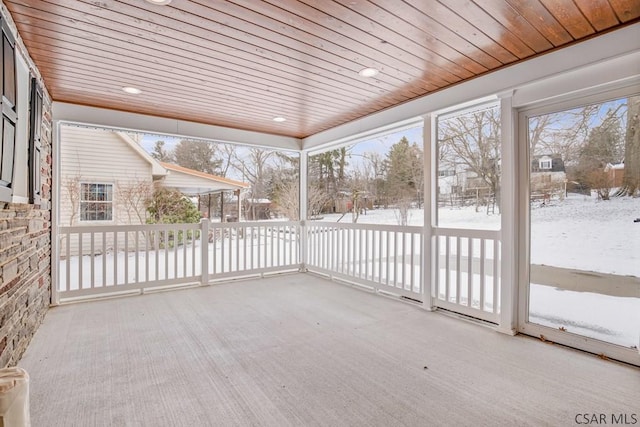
304 169
509 217
55 215
429 166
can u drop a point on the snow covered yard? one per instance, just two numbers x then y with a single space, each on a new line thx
579 232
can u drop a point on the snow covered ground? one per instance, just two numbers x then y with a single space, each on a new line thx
579 233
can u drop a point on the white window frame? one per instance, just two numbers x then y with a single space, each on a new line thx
9 114
545 164
111 202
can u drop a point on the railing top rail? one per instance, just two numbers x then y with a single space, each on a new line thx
126 228
253 224
465 232
356 226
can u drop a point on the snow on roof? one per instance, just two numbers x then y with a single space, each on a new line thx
258 201
208 176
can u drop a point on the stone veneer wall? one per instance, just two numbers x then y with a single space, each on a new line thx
25 256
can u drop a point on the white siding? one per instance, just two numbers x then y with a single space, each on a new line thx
99 156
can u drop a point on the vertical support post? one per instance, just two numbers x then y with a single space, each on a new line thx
222 206
204 250
302 241
237 193
509 214
429 166
55 215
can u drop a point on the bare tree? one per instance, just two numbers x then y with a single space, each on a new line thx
134 197
631 180
71 186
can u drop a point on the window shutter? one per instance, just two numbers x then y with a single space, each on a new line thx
35 132
9 114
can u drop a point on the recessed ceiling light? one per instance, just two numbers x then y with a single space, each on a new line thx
368 72
159 2
279 119
132 90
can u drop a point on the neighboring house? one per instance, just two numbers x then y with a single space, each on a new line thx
113 188
548 175
615 173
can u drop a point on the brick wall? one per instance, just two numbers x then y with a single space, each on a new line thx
25 259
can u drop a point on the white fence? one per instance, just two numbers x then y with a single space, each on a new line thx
382 257
111 259
253 247
467 272
117 258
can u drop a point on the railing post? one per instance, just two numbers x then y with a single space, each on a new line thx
204 250
508 210
302 241
429 166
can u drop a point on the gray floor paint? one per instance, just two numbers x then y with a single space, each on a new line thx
299 350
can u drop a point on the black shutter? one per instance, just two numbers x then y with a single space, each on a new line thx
9 114
35 131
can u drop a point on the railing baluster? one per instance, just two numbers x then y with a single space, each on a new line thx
496 274
447 269
92 264
137 259
458 268
68 262
104 259
482 273
80 261
436 266
469 271
126 258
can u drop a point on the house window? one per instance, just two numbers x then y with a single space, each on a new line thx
96 202
545 164
9 113
35 126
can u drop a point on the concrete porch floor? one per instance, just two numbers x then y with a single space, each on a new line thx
300 350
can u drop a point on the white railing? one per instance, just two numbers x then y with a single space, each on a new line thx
467 272
381 257
121 258
111 259
253 247
117 258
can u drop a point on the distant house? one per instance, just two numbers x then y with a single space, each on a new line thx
257 209
548 174
615 173
113 188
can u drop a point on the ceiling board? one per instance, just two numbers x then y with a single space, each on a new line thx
239 63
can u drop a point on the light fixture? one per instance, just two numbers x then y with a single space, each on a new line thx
279 119
132 90
368 72
159 2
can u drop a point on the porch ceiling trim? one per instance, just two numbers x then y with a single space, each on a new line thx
528 75
135 122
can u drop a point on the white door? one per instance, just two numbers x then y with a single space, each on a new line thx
580 270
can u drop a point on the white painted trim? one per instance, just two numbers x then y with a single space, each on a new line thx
156 167
132 122
55 214
509 218
428 277
303 201
594 61
572 100
365 134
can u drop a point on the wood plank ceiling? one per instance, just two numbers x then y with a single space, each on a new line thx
240 63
